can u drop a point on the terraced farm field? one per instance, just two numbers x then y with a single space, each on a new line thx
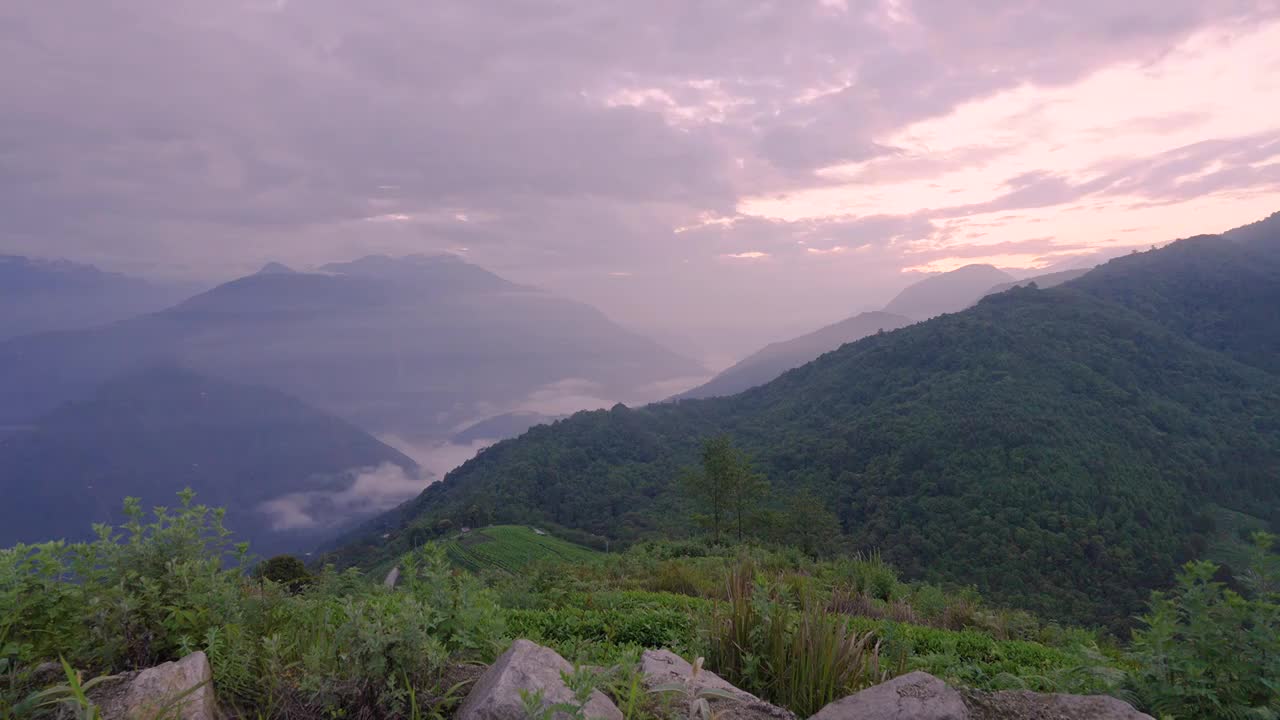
511 548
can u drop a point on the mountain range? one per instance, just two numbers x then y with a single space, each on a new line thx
944 293
1056 447
776 358
947 292
288 474
51 295
412 345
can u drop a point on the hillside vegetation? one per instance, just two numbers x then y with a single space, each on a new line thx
511 548
288 643
1054 447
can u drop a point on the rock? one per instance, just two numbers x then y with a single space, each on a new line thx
159 691
1023 705
48 673
663 667
531 667
914 696
920 696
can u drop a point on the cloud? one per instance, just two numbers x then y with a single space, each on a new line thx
558 143
372 490
747 255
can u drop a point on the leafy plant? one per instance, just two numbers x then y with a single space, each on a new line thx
697 697
1204 651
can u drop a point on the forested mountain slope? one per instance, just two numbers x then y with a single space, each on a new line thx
1054 448
1222 291
152 433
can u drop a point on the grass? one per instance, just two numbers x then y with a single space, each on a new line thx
512 548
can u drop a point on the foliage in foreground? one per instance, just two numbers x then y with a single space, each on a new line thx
286 643
1207 651
163 589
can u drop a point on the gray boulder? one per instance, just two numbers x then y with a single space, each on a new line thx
920 696
531 667
1022 705
663 667
181 690
914 696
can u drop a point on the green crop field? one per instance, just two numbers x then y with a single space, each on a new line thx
511 548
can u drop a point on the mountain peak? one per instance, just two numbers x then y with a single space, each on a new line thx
947 292
275 268
386 264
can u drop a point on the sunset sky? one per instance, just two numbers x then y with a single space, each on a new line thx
719 174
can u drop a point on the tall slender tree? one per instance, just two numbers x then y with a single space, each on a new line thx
726 488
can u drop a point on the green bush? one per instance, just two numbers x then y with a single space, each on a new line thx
285 570
158 590
1207 652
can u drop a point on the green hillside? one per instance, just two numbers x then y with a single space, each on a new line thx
511 548
1054 447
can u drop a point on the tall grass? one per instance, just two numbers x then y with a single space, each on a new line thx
790 651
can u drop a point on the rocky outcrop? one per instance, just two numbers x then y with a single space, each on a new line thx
920 696
663 667
530 667
914 696
1022 705
181 690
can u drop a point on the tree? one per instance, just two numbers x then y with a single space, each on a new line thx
286 570
745 490
725 487
809 525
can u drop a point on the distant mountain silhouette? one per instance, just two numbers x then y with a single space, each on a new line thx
1043 282
275 268
412 345
268 458
948 292
501 427
777 358
51 295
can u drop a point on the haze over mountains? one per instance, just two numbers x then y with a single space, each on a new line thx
44 295
1057 447
777 358
947 292
943 293
288 474
415 345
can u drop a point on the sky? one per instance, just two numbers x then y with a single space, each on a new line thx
717 173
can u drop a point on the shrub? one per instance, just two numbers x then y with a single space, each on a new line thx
285 570
161 589
1206 652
